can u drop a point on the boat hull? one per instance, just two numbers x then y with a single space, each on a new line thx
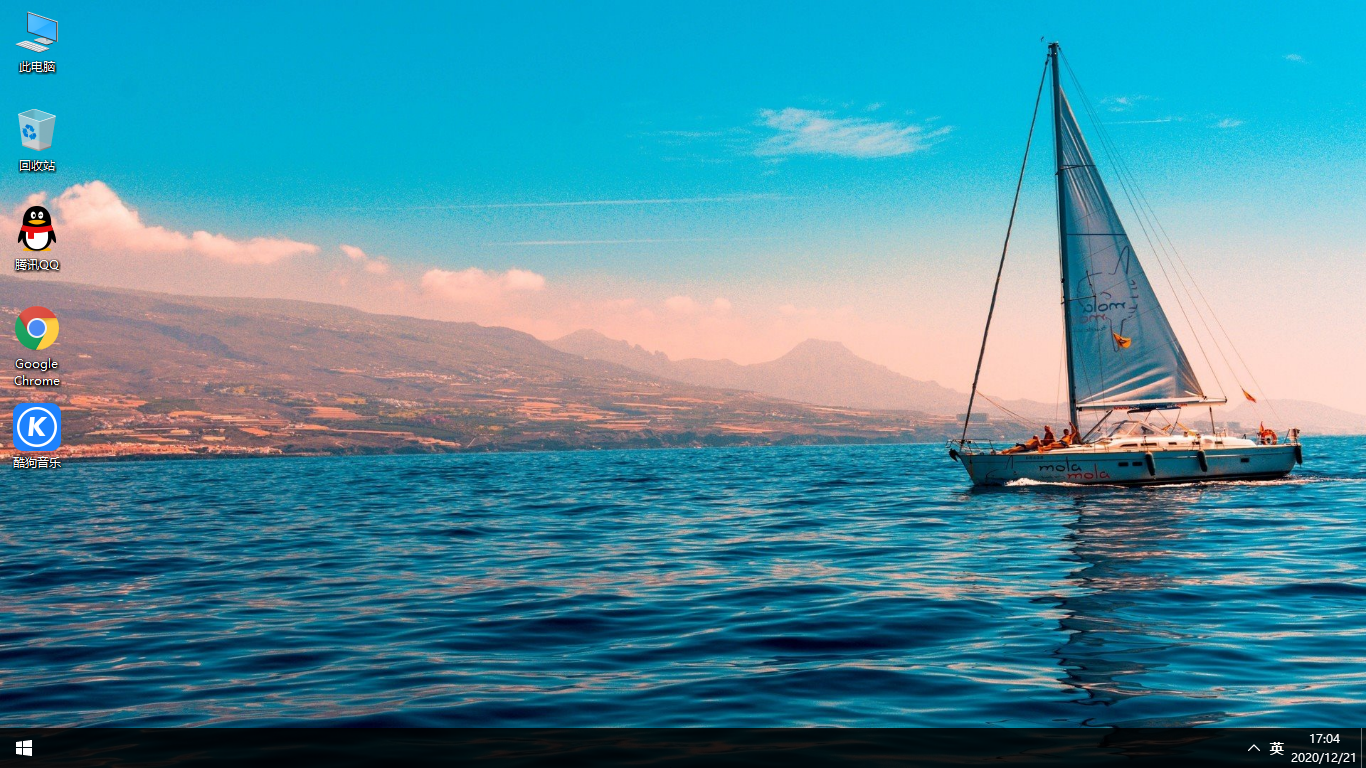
1132 467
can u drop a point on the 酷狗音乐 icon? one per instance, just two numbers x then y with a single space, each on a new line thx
35 129
37 427
36 232
36 328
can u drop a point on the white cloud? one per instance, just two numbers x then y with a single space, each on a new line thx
1167 119
687 305
37 198
808 132
684 305
1294 57
375 265
1124 103
1228 122
95 213
633 241
592 203
476 286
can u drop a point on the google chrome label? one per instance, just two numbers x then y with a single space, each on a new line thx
36 328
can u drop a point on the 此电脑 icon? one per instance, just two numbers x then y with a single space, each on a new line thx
44 28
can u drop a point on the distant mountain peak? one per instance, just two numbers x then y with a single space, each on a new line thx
589 335
818 371
821 349
593 345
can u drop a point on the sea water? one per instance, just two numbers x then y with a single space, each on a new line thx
749 586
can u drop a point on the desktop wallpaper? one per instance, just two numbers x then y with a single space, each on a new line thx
618 344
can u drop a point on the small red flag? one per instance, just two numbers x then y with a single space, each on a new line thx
1249 396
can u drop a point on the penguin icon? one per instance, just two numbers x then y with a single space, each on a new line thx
36 233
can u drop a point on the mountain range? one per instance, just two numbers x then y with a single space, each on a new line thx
814 371
155 373
146 373
827 373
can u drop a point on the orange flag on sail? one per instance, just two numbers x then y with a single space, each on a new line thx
1249 396
1122 341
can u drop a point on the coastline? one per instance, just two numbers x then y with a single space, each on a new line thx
127 453
141 454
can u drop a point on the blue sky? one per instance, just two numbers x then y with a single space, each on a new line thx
434 134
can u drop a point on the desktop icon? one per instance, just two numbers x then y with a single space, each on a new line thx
36 328
35 129
37 427
44 28
36 232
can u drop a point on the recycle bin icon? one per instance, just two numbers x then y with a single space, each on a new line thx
35 128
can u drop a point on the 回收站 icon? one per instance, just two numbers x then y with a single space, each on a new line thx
37 427
35 129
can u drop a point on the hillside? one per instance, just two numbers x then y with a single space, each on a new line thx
155 373
1312 418
820 372
827 373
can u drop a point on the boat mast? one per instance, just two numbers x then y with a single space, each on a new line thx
1005 247
1062 233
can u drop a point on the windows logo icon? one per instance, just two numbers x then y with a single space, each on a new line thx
24 748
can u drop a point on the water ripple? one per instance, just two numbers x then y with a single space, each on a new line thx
778 586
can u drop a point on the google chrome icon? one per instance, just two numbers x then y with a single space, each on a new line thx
36 328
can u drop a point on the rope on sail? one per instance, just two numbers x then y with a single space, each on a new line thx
995 289
1057 394
1177 259
1126 181
1148 223
1166 247
1144 209
1010 413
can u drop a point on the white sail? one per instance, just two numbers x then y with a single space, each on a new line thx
1123 350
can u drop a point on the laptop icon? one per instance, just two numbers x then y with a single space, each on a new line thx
44 28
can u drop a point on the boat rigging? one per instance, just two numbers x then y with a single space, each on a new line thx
1122 355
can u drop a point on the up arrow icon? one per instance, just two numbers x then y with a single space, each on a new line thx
1254 746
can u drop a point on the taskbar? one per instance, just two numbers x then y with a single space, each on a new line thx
370 743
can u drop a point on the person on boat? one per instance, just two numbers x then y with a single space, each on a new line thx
1068 438
1048 438
1029 445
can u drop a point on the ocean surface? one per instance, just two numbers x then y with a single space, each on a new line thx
755 586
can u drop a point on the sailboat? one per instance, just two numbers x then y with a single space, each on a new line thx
1124 361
